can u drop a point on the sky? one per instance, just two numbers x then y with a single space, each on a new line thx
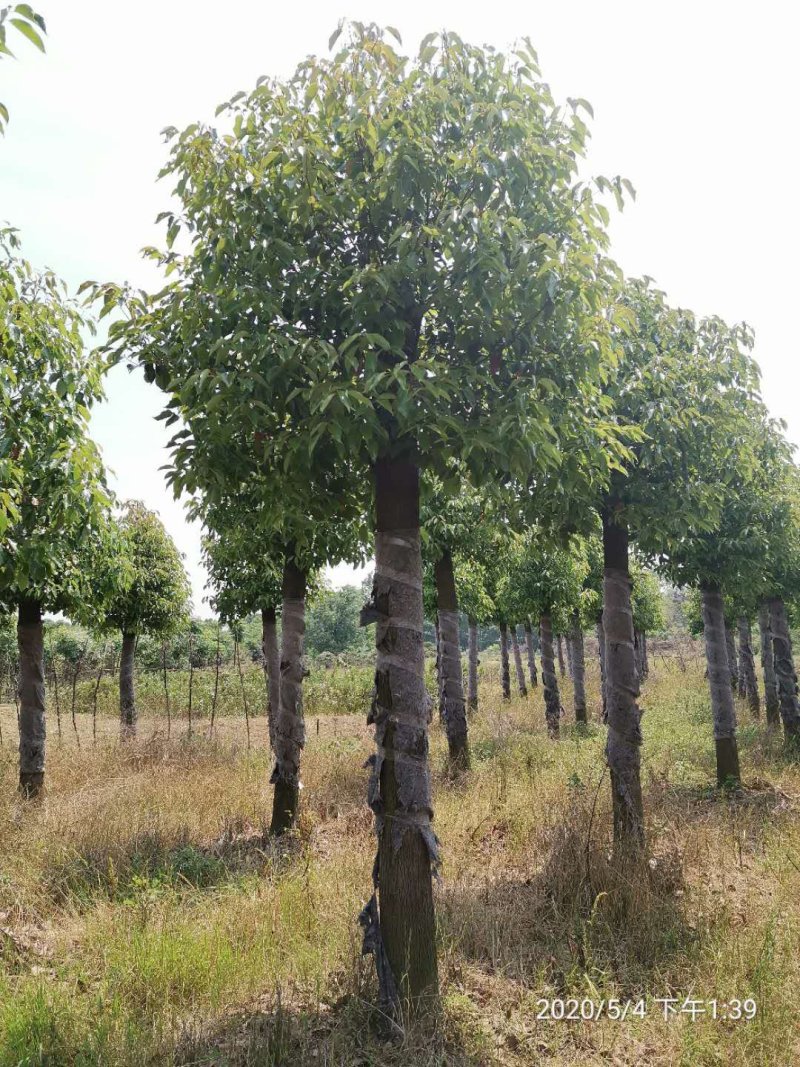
694 102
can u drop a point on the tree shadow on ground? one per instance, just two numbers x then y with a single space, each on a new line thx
350 1033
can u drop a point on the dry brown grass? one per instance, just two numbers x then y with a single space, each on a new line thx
146 918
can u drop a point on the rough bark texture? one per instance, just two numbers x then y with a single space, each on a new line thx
523 689
438 666
31 721
741 666
601 649
452 685
747 666
290 729
505 672
771 699
623 745
552 697
578 669
472 670
730 646
398 921
531 655
719 683
785 673
272 668
560 644
127 694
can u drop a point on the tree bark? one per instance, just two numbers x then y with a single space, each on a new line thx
438 667
730 645
399 923
523 689
601 652
719 682
771 699
578 669
741 669
290 729
452 685
472 671
505 672
560 645
552 697
570 653
637 655
747 666
623 745
785 673
272 668
32 731
645 657
128 716
531 654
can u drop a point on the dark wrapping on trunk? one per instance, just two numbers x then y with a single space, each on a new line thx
552 697
30 644
719 682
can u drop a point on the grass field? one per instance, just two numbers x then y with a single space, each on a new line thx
146 919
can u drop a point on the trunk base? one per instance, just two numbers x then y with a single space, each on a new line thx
728 773
458 760
284 807
31 784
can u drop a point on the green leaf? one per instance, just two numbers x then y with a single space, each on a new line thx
27 30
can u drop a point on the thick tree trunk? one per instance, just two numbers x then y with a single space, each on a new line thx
785 673
771 699
128 716
399 924
747 666
472 670
560 645
531 654
623 745
719 682
730 646
452 685
578 669
523 689
552 697
505 672
290 728
30 643
601 651
272 668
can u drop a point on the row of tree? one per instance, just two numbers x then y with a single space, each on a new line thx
389 309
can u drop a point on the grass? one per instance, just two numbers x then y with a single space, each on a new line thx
146 918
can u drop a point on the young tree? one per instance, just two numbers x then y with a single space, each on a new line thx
386 275
55 550
154 600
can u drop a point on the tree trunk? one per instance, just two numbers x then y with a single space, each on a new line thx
523 689
505 673
272 668
785 673
290 729
747 666
30 643
623 745
719 682
570 653
601 652
438 666
399 924
645 657
128 715
560 645
741 669
552 697
578 669
637 655
730 646
768 666
531 654
472 671
452 685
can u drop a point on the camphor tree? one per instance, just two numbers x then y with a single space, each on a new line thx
647 605
153 600
683 386
56 542
383 256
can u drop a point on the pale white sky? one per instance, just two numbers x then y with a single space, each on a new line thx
695 102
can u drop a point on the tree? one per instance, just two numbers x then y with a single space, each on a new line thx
154 600
647 604
56 543
376 283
